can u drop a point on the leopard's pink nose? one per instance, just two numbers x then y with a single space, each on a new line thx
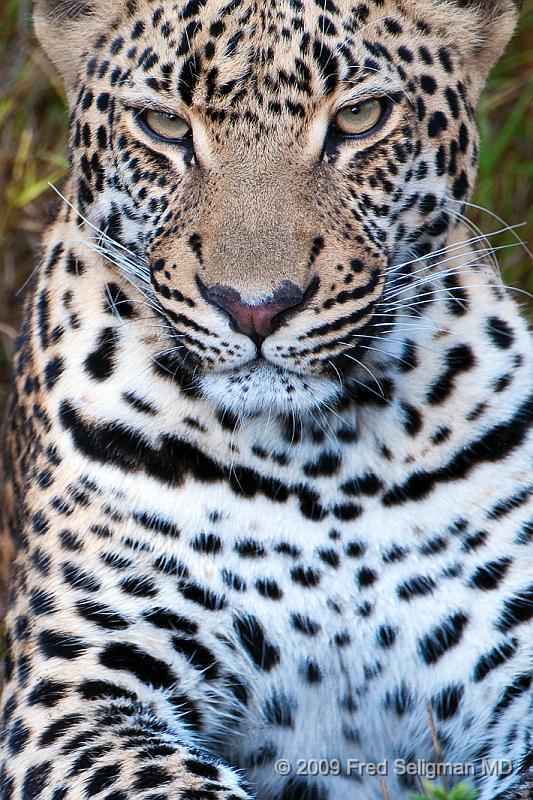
257 320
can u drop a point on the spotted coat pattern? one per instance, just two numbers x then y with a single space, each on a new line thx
230 543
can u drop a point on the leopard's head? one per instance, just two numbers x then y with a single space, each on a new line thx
263 166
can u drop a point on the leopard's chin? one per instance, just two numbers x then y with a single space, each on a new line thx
263 388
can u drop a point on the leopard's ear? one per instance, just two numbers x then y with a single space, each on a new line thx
486 27
65 29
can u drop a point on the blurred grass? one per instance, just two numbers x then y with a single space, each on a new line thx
460 792
33 129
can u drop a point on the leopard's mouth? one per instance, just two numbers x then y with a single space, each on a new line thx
263 387
251 381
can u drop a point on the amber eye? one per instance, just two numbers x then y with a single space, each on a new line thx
168 127
360 119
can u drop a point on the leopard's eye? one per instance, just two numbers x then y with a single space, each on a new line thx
360 119
167 127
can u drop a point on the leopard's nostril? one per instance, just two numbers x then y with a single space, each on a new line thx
256 320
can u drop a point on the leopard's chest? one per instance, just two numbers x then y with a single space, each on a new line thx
341 617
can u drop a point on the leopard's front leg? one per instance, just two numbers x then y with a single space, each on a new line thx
77 747
104 686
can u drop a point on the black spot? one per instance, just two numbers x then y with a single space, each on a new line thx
138 29
233 580
157 524
192 8
102 101
59 728
207 543
458 359
252 636
453 102
53 371
399 700
60 645
490 575
47 693
519 686
199 656
87 100
36 780
101 361
117 302
495 658
267 587
151 777
101 779
405 54
202 768
99 690
42 602
189 78
409 358
329 557
367 484
327 64
347 511
126 657
305 576
79 579
305 625
412 419
419 586
525 535
441 434
203 596
140 405
312 672
40 523
386 635
392 26
500 333
460 186
355 549
428 84
89 756
445 60
18 737
139 586
516 610
287 549
101 615
446 703
437 124
366 577
278 710
442 638
166 619
473 541
428 203
327 464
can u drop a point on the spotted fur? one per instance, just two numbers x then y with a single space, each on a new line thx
293 529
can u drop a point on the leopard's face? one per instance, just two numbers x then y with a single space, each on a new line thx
269 165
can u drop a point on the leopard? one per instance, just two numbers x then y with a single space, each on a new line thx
267 510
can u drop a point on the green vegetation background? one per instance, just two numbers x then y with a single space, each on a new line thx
33 130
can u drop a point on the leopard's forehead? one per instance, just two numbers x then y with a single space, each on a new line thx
282 59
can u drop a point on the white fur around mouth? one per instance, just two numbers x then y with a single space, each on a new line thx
264 388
